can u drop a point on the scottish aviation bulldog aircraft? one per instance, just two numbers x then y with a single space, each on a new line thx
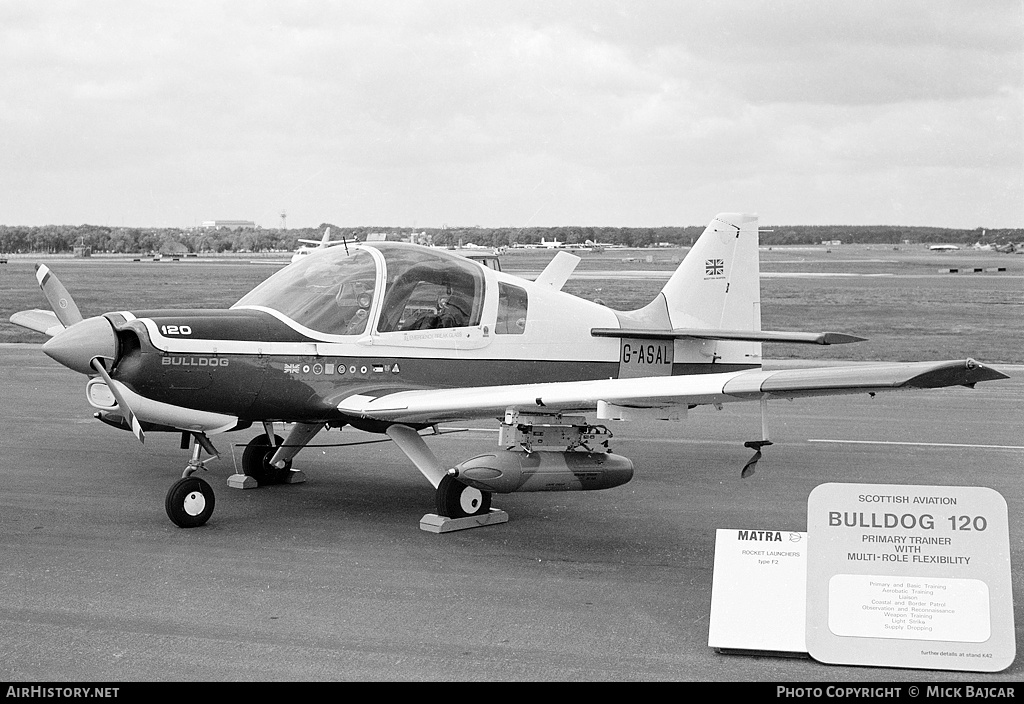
395 338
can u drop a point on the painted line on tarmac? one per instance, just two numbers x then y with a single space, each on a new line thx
922 444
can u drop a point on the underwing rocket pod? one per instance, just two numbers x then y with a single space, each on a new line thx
505 471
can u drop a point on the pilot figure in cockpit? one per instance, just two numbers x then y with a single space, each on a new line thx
453 312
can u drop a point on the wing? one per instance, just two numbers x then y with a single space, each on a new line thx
44 321
437 405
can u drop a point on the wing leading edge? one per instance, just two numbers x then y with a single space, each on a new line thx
436 405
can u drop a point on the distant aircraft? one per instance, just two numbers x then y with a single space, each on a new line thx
321 244
943 247
487 257
553 244
396 338
595 246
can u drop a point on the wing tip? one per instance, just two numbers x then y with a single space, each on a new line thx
967 372
985 372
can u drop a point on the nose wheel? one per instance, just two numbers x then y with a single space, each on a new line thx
189 502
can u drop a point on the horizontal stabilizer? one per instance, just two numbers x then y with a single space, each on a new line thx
44 321
809 338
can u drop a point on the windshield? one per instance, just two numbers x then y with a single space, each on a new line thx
330 291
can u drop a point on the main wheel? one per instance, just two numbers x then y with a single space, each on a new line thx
256 461
189 502
456 500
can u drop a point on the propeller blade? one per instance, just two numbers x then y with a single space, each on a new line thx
97 364
61 302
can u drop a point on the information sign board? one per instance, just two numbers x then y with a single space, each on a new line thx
757 591
909 576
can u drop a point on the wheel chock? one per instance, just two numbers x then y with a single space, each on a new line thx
242 481
433 523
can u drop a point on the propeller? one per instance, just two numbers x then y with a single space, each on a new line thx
133 421
81 340
60 300
84 343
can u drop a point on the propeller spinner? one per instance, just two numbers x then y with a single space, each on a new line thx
75 347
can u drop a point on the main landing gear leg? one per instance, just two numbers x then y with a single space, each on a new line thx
299 436
267 459
458 506
756 445
190 500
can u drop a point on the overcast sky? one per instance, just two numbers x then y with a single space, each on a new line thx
512 113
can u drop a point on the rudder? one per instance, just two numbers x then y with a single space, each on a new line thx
718 285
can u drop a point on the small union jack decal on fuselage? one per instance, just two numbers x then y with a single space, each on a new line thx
714 267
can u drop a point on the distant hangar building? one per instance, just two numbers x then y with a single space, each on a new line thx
230 224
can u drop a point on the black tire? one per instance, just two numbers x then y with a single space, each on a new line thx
256 461
456 500
189 502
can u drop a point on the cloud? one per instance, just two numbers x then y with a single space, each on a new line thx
494 113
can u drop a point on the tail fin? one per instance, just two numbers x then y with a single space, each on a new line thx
712 304
718 285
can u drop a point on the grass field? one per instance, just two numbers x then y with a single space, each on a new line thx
895 297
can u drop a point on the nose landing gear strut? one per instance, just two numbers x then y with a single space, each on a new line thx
190 500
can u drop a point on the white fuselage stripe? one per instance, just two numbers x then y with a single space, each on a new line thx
248 347
356 346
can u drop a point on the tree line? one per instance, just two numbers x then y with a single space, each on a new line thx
64 238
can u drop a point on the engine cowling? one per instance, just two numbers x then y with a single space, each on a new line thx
504 471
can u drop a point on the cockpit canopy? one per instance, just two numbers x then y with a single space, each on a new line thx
393 285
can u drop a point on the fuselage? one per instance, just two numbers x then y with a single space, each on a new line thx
376 319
